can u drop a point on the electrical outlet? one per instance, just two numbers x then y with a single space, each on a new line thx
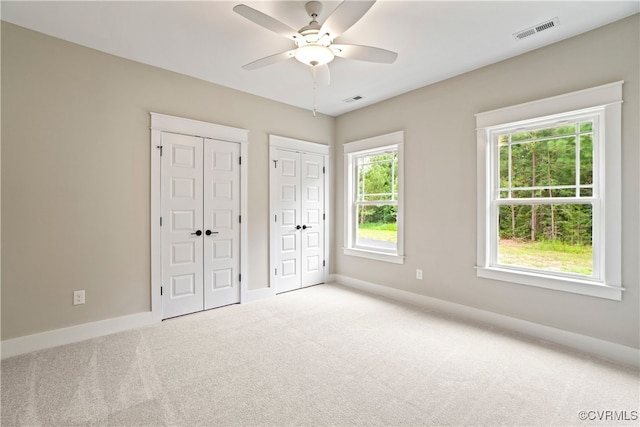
78 297
419 274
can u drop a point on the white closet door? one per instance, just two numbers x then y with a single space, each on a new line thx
298 195
182 251
221 223
289 227
312 233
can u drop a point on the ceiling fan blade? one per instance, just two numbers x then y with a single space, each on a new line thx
268 60
265 21
364 53
344 16
323 76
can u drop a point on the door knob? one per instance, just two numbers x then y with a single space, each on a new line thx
304 227
197 233
209 232
298 227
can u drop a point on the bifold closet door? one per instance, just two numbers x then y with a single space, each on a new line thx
221 223
288 221
200 224
182 216
299 189
312 211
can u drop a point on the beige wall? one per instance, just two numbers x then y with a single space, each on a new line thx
75 178
0 182
76 175
440 176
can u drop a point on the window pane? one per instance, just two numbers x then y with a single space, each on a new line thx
376 227
586 159
586 192
567 129
544 163
378 177
546 237
521 136
586 126
504 166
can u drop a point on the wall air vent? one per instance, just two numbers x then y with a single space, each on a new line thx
353 99
551 23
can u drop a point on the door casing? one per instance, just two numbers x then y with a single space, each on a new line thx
283 143
165 123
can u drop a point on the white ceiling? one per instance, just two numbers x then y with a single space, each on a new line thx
435 40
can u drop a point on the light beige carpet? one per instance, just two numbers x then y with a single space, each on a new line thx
325 355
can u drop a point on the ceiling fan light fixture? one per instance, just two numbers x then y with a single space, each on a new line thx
314 54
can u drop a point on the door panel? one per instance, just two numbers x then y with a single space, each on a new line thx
200 190
221 218
181 193
312 203
299 190
287 187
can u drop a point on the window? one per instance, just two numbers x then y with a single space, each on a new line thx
373 171
549 193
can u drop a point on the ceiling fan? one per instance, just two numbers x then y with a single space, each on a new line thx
314 43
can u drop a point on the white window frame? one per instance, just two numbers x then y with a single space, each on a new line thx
352 151
603 101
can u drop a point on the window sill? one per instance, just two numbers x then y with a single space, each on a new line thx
565 284
378 256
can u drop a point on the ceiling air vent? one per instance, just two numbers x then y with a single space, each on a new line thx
353 99
537 28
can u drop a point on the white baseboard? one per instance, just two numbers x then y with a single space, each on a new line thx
57 337
602 348
598 347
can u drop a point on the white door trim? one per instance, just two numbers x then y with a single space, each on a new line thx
164 123
283 143
297 145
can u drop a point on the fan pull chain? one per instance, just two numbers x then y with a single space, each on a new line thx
313 74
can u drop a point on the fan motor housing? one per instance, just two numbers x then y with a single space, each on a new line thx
310 32
313 8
